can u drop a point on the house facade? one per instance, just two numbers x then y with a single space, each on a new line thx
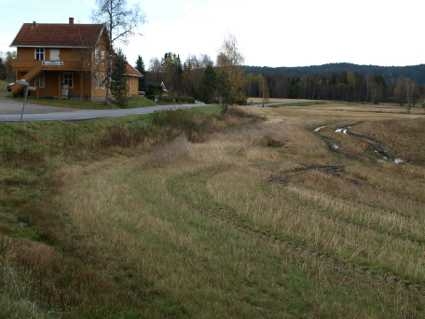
66 60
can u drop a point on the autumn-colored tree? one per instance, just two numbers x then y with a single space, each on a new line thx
231 75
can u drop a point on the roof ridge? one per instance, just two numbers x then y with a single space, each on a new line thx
74 24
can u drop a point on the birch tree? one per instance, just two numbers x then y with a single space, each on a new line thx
231 75
121 22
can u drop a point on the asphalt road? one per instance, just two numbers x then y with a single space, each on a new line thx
9 106
34 114
10 112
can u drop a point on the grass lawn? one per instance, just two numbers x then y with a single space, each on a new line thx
195 214
3 86
133 102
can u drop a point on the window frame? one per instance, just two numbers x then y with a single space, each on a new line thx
66 81
100 80
40 52
58 55
41 81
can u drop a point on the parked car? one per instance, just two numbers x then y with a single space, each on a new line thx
9 86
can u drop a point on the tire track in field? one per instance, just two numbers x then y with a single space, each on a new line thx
296 247
375 226
378 148
284 179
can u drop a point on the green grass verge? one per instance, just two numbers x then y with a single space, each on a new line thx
3 86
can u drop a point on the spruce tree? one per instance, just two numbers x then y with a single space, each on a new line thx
140 66
119 86
3 72
208 85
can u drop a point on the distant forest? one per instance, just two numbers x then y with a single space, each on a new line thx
342 81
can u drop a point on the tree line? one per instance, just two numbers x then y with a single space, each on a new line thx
346 86
390 73
221 82
199 77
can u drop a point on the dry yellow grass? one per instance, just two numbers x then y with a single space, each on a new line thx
264 220
208 228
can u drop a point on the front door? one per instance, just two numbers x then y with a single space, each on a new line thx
67 84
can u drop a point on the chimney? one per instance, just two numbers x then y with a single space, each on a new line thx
71 20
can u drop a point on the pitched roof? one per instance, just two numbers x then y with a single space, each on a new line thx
132 72
63 35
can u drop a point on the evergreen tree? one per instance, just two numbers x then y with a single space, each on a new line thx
3 72
140 66
208 87
172 69
119 86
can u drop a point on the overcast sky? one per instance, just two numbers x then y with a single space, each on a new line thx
269 32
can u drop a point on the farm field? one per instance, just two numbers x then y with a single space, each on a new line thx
312 211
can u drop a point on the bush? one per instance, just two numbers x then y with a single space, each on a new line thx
153 91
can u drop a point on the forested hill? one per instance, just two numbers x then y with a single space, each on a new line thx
390 73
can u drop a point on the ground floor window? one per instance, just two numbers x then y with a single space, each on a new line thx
68 79
100 80
41 81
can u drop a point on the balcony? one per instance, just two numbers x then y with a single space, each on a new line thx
69 65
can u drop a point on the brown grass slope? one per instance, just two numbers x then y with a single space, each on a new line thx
204 216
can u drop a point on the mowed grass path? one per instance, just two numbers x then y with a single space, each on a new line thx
251 222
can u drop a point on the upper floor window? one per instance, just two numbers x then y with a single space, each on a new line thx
99 55
54 55
39 54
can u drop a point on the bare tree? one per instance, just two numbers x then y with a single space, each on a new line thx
121 22
410 94
264 89
205 61
229 54
405 90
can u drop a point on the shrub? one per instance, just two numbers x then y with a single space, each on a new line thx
153 91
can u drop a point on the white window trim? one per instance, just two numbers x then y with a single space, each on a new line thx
72 78
44 54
